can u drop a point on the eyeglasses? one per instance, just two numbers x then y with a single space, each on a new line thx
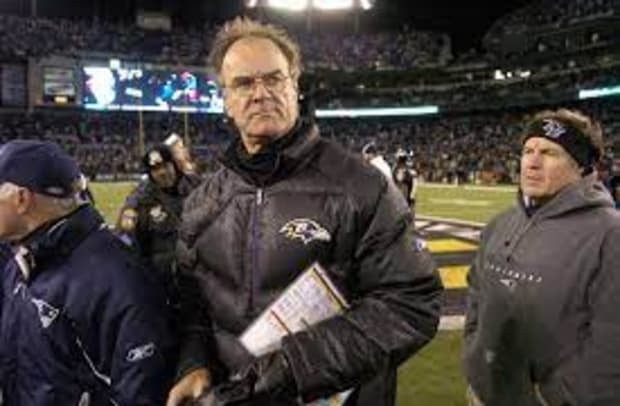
245 85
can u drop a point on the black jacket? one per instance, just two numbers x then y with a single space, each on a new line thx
159 217
237 255
5 254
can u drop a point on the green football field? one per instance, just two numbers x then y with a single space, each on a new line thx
471 203
433 376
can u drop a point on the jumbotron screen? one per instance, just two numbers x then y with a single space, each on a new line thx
150 90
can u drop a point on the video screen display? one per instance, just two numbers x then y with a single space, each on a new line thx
150 90
59 85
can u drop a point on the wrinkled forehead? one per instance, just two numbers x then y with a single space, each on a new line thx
542 143
251 57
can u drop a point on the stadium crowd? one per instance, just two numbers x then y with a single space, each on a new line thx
464 148
457 147
555 13
41 37
399 49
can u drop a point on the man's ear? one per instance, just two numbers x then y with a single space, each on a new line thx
23 200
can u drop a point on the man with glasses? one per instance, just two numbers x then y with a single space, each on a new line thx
283 200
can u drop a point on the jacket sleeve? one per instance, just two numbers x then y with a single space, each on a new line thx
394 311
471 314
130 338
194 326
473 290
143 233
144 357
592 376
195 333
471 309
414 187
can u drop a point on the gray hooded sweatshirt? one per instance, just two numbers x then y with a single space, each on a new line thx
543 316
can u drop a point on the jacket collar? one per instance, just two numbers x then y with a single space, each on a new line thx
278 160
56 239
585 193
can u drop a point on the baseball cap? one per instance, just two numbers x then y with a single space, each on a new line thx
42 167
156 156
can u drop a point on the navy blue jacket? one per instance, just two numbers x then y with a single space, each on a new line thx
81 321
5 254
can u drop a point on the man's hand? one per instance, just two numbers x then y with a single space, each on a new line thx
190 387
267 378
273 376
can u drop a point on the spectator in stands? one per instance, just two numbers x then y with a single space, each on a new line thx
88 325
544 291
284 199
41 37
106 144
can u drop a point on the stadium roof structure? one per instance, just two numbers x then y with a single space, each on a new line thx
302 5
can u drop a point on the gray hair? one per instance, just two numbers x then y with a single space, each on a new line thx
7 189
55 206
243 27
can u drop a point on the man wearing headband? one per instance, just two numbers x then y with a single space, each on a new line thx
542 324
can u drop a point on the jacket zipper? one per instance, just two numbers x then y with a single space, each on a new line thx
253 269
518 237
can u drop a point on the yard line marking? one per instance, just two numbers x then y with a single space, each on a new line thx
462 202
446 245
454 277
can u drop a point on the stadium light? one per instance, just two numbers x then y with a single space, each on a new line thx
301 5
366 4
333 4
320 113
599 92
293 5
378 112
115 63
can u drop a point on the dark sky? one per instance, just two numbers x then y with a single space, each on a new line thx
465 21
